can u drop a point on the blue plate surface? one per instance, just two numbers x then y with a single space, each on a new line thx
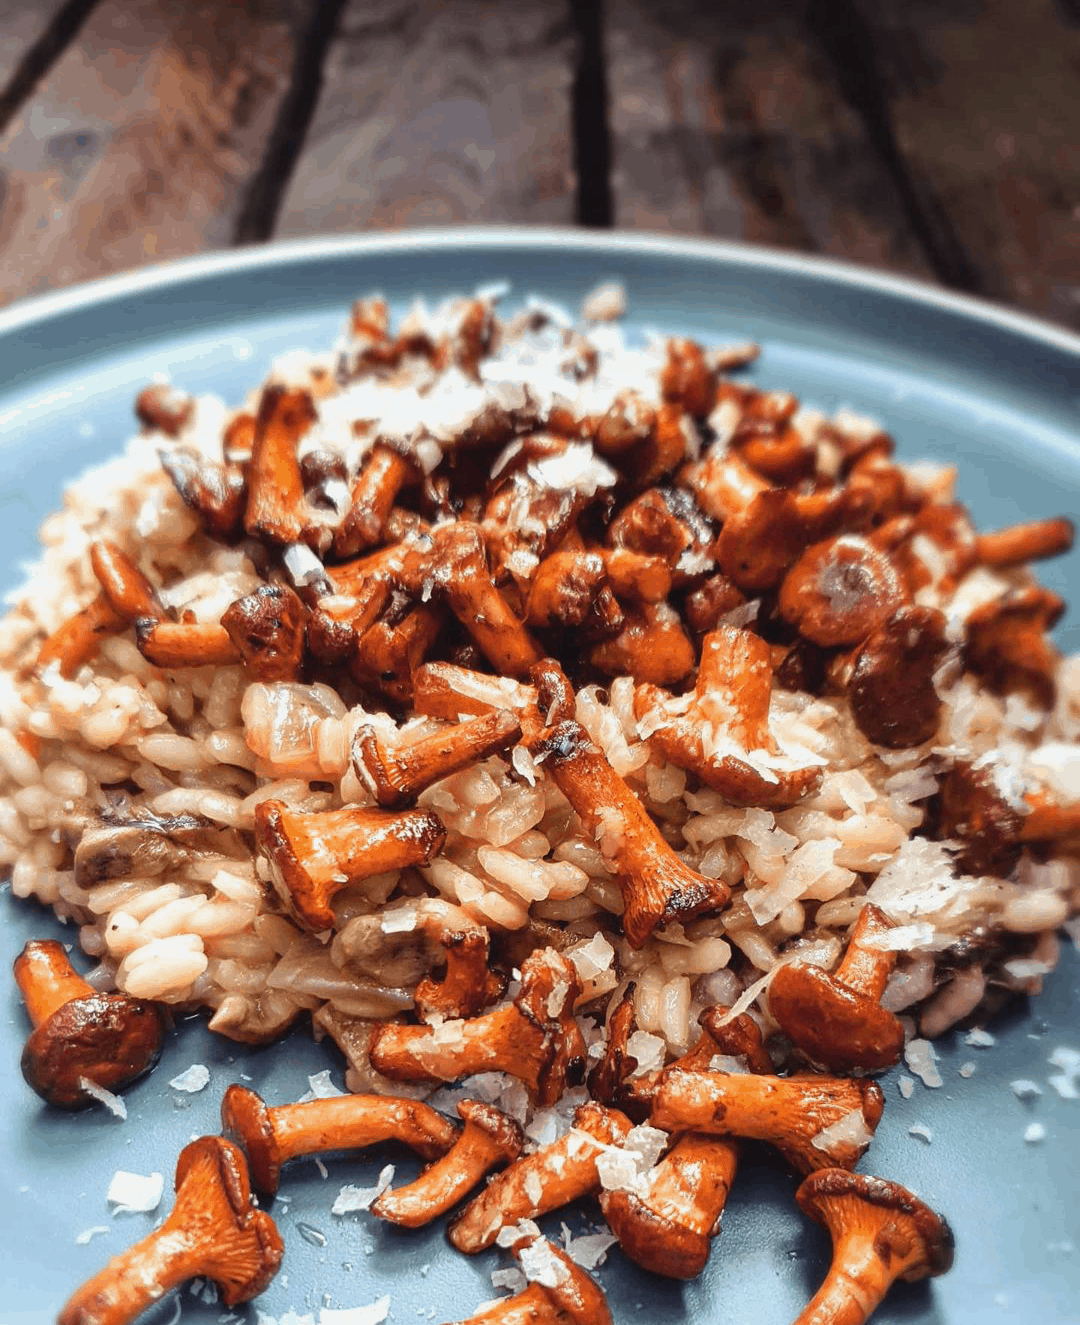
951 378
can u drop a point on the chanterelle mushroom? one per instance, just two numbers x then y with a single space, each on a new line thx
214 1232
535 1038
720 730
80 1035
838 1019
313 856
881 1232
559 1292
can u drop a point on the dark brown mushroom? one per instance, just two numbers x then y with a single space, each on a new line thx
657 887
797 1114
267 628
881 1232
276 504
164 408
396 775
384 473
1007 643
272 1136
79 1034
974 810
534 1038
549 1178
388 653
893 697
216 493
313 856
489 1138
214 1232
838 1019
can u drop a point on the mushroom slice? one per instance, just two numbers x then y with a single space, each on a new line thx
881 1232
313 856
396 775
127 590
384 473
80 1035
216 493
546 1180
489 1138
657 887
267 628
116 847
838 1019
841 590
400 945
78 639
277 505
668 1227
213 1231
799 1115
720 730
1007 644
171 644
559 1292
893 697
271 1137
534 1038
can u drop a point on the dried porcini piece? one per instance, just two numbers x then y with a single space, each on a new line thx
837 1019
881 1232
657 887
80 1035
489 1138
534 1038
551 1177
267 628
270 1137
313 856
213 1231
720 730
840 590
891 688
798 1115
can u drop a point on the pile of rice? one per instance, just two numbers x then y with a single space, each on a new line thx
127 736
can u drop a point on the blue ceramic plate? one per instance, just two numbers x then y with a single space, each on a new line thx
951 378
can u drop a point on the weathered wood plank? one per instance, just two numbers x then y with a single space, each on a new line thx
985 101
726 121
138 142
438 113
21 24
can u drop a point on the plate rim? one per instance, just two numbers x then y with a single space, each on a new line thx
162 276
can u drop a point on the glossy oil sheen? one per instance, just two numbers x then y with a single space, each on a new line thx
954 380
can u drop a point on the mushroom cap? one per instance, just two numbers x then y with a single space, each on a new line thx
110 1039
655 1241
908 1229
245 1119
503 1131
832 1023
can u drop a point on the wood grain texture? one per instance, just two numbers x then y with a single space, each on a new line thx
435 113
136 145
727 121
985 100
21 24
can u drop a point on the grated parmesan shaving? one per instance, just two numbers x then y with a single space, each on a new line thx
921 1130
135 1193
81 1239
350 1198
112 1102
196 1078
851 1129
1067 1081
320 1087
922 1060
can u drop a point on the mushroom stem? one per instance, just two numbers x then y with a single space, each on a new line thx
865 967
313 856
127 590
276 496
489 1137
535 1038
76 640
271 1136
185 643
1048 821
657 887
881 1232
397 775
47 980
561 1294
213 1231
80 1035
790 1112
546 1180
1024 542
669 1229
372 498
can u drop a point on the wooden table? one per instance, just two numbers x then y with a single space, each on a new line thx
937 138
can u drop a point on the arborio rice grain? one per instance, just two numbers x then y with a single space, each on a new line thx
564 429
